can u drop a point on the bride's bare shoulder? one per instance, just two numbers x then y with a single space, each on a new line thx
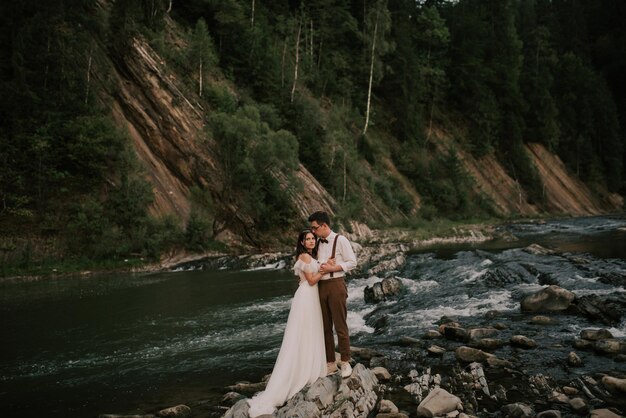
305 258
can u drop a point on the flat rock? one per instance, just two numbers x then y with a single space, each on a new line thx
178 411
494 361
551 298
435 350
542 320
387 407
470 355
582 344
523 341
551 413
596 334
477 333
432 334
517 410
487 343
609 309
610 346
438 402
381 373
578 405
614 384
603 413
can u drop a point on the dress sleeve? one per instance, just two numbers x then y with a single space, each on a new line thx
312 267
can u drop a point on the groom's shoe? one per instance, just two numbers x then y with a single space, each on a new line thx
346 369
331 368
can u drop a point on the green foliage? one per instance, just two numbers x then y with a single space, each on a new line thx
259 164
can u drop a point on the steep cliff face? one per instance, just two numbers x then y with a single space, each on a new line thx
166 125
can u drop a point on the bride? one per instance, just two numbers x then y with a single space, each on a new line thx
302 358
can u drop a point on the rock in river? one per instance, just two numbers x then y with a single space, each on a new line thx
551 298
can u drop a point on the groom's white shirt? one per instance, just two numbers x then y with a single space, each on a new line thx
344 255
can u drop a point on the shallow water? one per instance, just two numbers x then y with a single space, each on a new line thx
130 343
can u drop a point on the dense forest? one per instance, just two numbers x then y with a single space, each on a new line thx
339 86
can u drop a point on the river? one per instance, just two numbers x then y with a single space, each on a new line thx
135 343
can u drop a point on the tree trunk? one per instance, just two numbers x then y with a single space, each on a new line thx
345 182
200 88
282 64
295 74
88 75
369 89
252 15
311 51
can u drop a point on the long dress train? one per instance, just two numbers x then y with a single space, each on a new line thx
302 358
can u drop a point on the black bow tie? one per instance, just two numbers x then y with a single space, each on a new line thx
324 240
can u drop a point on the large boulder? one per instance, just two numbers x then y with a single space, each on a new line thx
438 402
551 298
382 290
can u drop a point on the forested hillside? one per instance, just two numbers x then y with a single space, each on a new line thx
140 127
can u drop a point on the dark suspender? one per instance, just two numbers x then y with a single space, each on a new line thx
333 253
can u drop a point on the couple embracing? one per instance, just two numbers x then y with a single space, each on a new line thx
320 303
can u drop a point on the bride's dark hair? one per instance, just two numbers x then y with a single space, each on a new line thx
300 249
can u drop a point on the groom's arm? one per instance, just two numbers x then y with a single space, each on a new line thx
349 258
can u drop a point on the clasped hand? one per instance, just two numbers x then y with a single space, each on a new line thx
328 266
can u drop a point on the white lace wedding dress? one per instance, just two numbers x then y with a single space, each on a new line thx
302 359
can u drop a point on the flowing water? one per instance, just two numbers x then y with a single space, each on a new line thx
134 343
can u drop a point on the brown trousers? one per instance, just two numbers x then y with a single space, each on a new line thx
333 299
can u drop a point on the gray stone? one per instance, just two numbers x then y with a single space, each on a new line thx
478 333
389 415
610 346
500 326
387 407
301 409
178 411
517 410
469 355
378 361
247 388
364 353
614 384
231 398
551 413
603 413
322 391
381 373
550 298
437 403
574 360
239 410
596 334
523 341
578 405
537 249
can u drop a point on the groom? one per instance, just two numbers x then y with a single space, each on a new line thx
333 290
